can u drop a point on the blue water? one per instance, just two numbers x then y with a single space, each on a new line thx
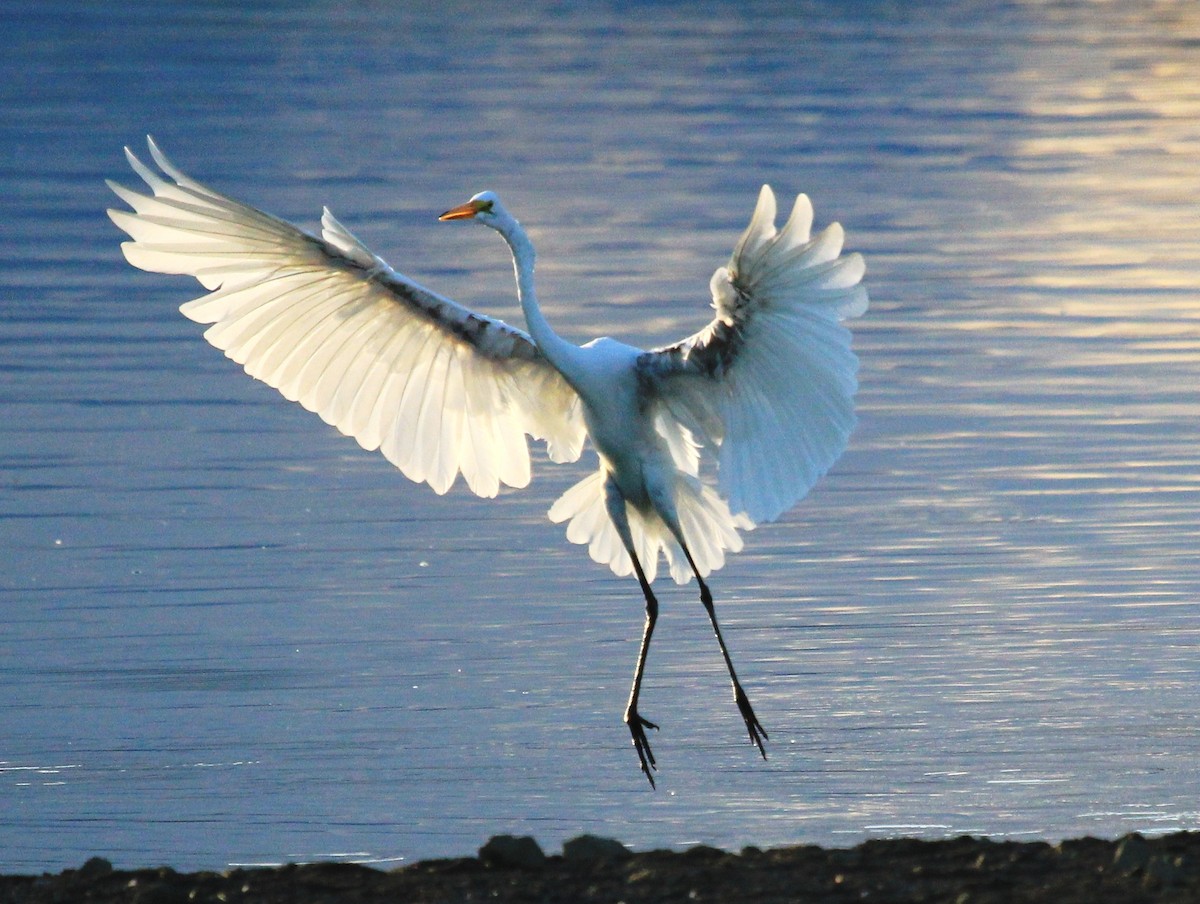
231 636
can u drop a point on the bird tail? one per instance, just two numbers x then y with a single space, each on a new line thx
709 528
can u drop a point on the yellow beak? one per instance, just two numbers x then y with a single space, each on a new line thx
462 212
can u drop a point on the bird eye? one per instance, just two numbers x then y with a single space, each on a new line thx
485 206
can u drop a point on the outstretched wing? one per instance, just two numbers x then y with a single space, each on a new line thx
437 388
769 383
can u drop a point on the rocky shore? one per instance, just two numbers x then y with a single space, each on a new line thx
964 870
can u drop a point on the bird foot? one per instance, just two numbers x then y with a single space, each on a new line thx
757 733
637 729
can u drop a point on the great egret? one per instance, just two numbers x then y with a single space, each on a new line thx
696 441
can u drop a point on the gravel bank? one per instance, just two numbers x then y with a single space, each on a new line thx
960 871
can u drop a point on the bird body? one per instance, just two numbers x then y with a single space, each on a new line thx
608 388
696 441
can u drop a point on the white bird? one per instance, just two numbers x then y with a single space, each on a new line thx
698 440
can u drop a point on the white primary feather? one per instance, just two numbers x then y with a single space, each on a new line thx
439 389
769 384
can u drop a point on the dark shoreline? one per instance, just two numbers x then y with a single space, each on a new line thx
962 870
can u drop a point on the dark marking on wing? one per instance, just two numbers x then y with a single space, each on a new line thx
709 353
489 337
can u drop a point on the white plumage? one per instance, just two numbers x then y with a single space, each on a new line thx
697 441
438 389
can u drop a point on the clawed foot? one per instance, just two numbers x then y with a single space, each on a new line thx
757 733
637 729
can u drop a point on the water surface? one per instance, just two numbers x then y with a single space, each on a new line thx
231 636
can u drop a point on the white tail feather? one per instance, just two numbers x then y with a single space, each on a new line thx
709 529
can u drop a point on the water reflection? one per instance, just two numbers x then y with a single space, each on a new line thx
231 636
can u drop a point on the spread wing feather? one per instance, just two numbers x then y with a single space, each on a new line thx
769 384
440 390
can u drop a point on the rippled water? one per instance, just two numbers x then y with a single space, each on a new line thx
231 636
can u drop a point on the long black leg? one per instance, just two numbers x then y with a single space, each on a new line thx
753 727
615 503
638 725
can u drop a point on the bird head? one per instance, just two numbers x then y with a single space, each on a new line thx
485 207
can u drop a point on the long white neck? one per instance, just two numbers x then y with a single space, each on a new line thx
557 350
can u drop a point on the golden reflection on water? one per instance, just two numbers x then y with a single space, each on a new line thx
1115 123
1034 393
